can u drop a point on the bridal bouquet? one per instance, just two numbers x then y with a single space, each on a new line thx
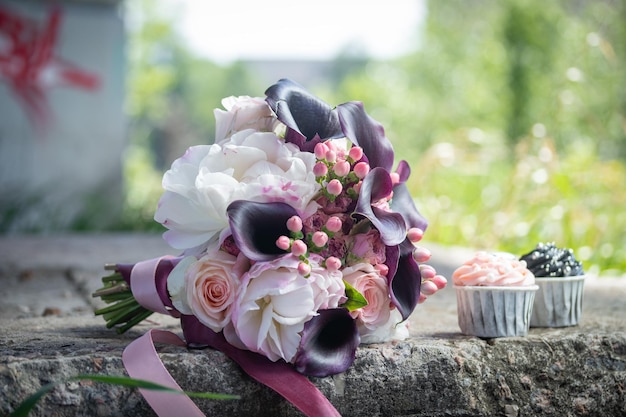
297 237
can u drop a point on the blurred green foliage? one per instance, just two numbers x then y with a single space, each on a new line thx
511 114
170 103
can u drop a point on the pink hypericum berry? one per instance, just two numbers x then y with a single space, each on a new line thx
320 150
334 224
304 269
428 288
356 153
415 234
298 248
427 272
334 187
341 168
440 281
361 169
395 178
421 255
283 243
382 269
320 169
357 187
294 224
333 264
331 156
319 239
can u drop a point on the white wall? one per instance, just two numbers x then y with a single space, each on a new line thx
50 171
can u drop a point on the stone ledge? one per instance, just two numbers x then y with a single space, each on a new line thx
575 371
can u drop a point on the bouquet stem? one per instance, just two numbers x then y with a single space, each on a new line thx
123 310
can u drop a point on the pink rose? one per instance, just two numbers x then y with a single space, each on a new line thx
243 113
366 279
211 286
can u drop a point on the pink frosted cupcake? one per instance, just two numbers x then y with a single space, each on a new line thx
495 293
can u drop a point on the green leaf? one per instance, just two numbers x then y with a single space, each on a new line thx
27 405
24 408
355 299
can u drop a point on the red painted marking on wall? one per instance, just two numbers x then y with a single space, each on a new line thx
29 65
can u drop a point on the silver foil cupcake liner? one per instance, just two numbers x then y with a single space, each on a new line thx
489 312
558 302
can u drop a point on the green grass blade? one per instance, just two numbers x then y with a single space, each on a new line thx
141 383
24 408
27 405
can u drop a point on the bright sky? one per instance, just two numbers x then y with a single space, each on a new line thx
238 29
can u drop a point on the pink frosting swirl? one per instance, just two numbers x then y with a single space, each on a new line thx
493 269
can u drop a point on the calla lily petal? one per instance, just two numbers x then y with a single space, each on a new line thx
256 227
308 119
406 279
402 203
403 171
367 133
376 185
328 345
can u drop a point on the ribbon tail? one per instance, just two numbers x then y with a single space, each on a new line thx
141 361
279 376
282 378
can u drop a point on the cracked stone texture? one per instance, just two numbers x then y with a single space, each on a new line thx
49 333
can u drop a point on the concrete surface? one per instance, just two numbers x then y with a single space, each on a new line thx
49 332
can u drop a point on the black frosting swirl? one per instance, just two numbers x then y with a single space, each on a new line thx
546 260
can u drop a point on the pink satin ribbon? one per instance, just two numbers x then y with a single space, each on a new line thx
279 376
143 285
141 361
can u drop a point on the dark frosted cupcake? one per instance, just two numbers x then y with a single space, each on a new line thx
560 277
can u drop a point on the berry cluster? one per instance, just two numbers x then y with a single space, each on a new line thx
331 232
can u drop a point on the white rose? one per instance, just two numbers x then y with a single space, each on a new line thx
329 290
393 329
242 113
254 166
272 308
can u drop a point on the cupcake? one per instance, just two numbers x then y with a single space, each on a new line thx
494 293
560 278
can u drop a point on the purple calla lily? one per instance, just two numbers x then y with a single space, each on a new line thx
256 227
328 345
402 203
309 120
376 185
404 171
364 131
405 277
